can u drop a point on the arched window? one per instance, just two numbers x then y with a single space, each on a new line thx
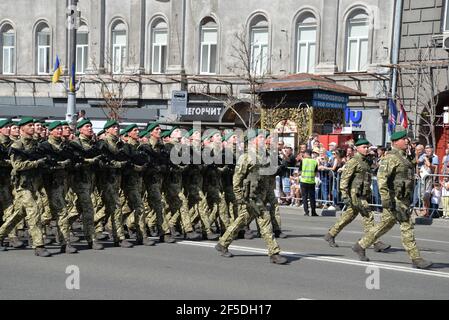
209 39
119 42
306 43
43 44
82 49
259 45
8 49
357 41
159 41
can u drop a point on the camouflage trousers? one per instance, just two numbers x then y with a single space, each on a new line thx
155 208
198 208
28 205
58 206
254 208
133 194
109 190
84 206
99 210
218 207
231 203
274 210
7 204
347 217
178 207
388 221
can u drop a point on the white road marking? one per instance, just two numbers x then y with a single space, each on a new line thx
306 256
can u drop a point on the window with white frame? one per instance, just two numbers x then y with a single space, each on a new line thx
306 44
357 43
82 47
259 50
43 50
8 47
159 48
208 54
119 48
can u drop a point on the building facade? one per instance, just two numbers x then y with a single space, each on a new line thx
131 51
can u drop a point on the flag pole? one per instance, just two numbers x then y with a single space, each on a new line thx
71 89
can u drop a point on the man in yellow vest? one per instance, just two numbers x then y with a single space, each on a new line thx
309 170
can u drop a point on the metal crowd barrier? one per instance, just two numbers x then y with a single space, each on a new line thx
327 191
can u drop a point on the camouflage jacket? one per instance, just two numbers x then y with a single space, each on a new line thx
395 178
356 178
247 181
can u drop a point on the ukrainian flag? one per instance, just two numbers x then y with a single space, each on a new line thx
72 80
57 72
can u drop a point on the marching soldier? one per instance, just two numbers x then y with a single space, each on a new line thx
250 191
27 198
395 179
109 182
6 196
355 188
83 179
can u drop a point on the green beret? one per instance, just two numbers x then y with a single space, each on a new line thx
251 134
110 123
64 123
129 128
122 132
82 123
152 126
100 132
45 124
210 134
228 135
54 125
25 121
398 135
143 133
164 133
169 132
5 122
362 142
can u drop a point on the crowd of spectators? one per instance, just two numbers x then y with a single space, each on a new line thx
431 193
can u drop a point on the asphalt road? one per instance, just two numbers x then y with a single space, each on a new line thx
194 270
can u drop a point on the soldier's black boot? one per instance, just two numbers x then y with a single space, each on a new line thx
168 238
100 236
16 243
2 246
379 246
224 251
95 245
41 252
279 234
68 248
126 244
212 236
420 263
278 259
360 252
148 242
194 236
331 240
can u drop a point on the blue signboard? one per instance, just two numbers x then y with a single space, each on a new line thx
329 100
353 117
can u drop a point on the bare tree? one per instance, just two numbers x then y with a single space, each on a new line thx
112 87
426 77
249 67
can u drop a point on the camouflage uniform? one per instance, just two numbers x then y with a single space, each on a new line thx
355 188
153 178
395 179
132 185
109 181
82 185
213 188
27 202
177 201
250 191
6 196
55 184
